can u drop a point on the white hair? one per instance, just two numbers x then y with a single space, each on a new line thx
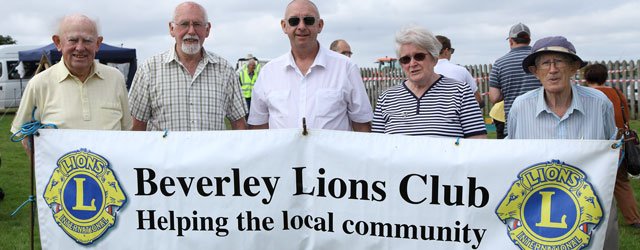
206 17
420 37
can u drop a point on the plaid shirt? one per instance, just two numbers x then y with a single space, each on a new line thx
166 96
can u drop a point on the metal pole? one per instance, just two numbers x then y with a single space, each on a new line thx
33 203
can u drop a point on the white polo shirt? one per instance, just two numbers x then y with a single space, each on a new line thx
329 96
448 69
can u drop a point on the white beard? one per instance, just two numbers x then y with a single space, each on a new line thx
190 49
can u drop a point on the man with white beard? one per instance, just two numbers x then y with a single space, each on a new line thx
187 88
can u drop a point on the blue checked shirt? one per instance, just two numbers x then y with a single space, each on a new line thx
589 117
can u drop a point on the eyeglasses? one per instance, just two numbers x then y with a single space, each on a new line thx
418 57
347 53
559 63
185 25
452 50
308 21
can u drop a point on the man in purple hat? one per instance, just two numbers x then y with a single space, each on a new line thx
560 110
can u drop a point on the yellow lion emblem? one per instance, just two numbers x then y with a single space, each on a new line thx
550 206
84 195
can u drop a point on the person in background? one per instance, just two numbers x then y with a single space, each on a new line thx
187 88
77 92
426 103
507 80
448 69
341 46
248 77
499 119
595 76
560 110
309 82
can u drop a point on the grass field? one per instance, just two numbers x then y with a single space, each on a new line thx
14 180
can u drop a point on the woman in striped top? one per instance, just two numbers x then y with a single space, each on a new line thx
426 103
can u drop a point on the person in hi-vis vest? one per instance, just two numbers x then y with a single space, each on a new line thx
248 77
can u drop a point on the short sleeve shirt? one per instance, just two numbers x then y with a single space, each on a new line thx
166 96
508 76
448 69
329 96
98 103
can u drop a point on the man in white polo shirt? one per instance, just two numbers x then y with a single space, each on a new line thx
446 68
309 82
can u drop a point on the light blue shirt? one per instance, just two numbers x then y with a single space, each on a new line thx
590 116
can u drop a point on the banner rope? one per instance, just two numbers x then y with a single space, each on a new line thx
30 199
30 128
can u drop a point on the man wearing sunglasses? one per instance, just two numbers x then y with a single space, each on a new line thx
187 88
309 82
448 69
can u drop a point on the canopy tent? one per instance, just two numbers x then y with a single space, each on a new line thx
106 54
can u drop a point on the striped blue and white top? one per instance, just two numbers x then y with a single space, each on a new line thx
590 116
446 109
507 75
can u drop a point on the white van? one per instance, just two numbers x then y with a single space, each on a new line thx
11 83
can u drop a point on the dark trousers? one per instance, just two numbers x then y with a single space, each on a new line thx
499 129
248 107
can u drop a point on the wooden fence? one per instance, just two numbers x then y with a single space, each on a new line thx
623 75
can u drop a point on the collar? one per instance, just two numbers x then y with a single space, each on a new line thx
443 61
576 103
527 48
320 60
64 73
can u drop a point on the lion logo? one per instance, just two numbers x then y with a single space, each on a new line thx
84 195
550 206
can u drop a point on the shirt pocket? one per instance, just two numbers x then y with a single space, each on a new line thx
110 111
329 103
278 103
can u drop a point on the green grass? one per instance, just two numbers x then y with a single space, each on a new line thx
14 180
629 236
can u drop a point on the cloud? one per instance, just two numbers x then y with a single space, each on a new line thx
603 30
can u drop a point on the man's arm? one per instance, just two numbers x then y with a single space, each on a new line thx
262 126
139 125
361 127
25 146
483 136
479 99
240 124
495 95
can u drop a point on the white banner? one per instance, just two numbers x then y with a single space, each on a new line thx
278 189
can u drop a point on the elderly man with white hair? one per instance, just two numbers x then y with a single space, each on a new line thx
187 88
561 110
77 92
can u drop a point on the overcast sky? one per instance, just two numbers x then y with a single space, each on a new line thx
600 30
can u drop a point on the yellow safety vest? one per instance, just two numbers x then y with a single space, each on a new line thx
248 82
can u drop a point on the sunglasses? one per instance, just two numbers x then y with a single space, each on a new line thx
418 57
452 50
308 21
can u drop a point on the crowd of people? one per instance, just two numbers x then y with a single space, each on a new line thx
188 88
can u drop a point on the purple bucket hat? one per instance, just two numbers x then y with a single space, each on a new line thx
556 44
